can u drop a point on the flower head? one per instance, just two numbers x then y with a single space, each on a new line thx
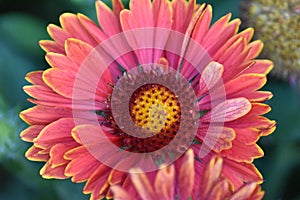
176 182
141 89
280 20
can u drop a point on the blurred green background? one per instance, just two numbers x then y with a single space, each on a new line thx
23 24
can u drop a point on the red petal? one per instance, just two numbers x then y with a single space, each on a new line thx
255 49
117 177
97 180
77 51
117 7
57 154
259 67
244 85
234 89
35 78
116 46
61 61
48 172
73 27
33 153
39 115
45 93
162 13
106 17
142 11
202 25
51 46
239 173
182 8
82 164
56 133
58 34
31 132
61 81
241 152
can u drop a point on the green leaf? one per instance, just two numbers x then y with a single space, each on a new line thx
23 32
13 68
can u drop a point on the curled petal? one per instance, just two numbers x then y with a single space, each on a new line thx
228 110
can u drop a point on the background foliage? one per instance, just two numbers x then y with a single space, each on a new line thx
23 24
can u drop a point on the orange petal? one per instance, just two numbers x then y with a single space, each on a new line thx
165 182
120 193
211 175
142 184
222 189
31 133
248 191
186 176
247 135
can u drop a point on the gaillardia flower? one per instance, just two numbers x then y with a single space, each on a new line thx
280 20
140 89
176 182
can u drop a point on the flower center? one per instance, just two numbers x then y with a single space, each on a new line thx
155 108
152 111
